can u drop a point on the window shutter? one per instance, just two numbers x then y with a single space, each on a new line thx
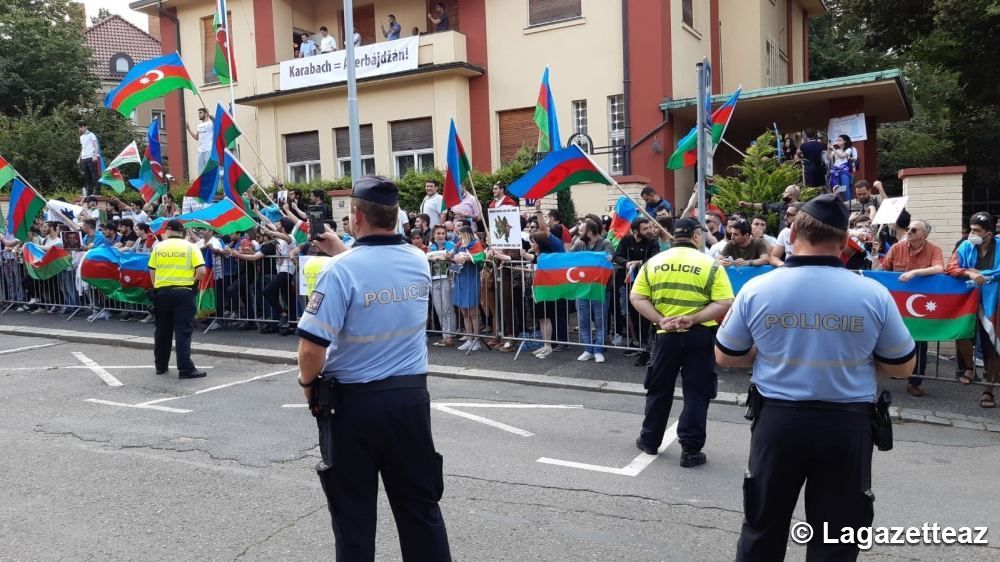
517 130
342 137
548 11
302 147
412 134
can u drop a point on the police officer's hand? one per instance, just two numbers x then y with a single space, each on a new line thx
676 323
327 242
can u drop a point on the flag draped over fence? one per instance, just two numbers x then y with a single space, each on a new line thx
42 263
122 276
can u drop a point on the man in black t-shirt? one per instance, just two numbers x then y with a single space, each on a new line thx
811 154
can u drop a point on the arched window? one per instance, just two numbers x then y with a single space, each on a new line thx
121 63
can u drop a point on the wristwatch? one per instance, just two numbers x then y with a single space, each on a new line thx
305 385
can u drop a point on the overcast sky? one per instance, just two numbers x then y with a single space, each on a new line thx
119 7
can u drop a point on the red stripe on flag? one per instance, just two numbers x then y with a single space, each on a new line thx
137 86
99 269
555 277
557 175
945 306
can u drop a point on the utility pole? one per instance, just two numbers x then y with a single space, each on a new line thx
704 79
353 121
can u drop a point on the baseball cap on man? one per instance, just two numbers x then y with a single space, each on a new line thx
685 228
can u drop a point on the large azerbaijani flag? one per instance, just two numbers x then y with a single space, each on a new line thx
42 264
223 217
458 169
25 204
557 171
122 276
572 275
935 307
224 65
545 117
621 220
112 176
7 172
147 81
687 148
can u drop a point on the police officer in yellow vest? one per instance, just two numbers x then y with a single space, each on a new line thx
176 266
683 291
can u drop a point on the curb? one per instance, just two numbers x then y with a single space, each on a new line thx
271 356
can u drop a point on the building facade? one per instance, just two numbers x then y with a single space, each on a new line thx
616 67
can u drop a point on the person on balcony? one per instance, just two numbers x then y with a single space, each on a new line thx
307 48
394 29
328 43
439 18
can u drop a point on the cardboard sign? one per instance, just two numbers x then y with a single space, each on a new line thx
505 228
889 210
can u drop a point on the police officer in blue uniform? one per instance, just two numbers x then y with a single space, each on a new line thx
363 367
815 334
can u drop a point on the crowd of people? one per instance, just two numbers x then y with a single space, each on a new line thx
304 46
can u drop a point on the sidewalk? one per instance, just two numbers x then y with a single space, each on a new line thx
948 404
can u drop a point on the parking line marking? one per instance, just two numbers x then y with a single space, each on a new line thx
482 420
137 406
97 369
28 348
632 469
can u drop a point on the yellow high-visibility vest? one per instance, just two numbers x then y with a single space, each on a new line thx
175 261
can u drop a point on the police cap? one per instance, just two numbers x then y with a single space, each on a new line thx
376 189
685 228
829 210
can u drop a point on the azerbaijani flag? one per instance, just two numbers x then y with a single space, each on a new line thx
7 172
235 180
224 62
458 169
25 204
687 148
122 276
557 171
935 307
151 182
224 132
205 185
147 81
41 263
545 117
205 301
572 275
112 176
300 234
621 220
477 252
223 217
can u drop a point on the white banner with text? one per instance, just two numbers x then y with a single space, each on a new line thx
370 60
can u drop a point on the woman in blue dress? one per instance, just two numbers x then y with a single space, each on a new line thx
468 255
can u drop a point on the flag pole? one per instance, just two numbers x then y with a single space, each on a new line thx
55 210
738 151
640 207
260 159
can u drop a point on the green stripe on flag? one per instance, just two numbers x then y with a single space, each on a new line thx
926 329
570 291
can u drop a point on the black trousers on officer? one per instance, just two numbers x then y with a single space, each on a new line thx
692 354
174 310
384 430
828 450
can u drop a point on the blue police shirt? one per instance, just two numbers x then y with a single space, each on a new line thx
369 309
813 344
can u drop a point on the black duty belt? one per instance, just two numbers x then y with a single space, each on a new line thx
390 383
857 407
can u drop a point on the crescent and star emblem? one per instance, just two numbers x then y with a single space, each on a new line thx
580 275
151 76
929 306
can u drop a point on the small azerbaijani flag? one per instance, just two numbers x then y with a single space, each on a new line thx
557 171
224 65
42 264
621 220
151 182
235 180
458 169
545 117
7 172
224 132
112 176
572 275
301 233
147 81
25 204
477 252
687 148
223 217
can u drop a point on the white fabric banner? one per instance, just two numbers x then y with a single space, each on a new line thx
850 125
370 60
71 211
505 228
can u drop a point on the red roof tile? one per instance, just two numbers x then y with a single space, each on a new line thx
115 35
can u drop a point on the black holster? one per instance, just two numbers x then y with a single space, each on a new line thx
882 422
754 403
323 406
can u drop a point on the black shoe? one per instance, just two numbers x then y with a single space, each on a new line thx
641 359
192 375
246 326
632 353
269 329
161 372
692 458
644 448
561 347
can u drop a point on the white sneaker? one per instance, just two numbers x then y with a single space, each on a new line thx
38 310
544 352
463 338
465 346
475 345
147 320
598 358
585 356
103 315
979 362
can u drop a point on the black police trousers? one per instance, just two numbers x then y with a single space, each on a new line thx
174 310
389 432
828 450
692 354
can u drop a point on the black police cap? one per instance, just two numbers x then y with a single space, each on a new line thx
376 189
829 210
685 228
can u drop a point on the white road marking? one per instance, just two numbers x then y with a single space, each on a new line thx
146 367
28 348
632 469
97 369
295 405
218 387
482 420
62 367
510 405
137 406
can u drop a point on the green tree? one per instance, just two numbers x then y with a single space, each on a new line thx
43 58
101 14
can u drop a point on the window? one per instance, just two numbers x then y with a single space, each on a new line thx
541 12
208 47
771 62
616 133
302 157
687 13
160 116
580 116
412 145
121 63
341 138
133 118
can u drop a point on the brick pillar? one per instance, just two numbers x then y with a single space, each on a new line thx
935 194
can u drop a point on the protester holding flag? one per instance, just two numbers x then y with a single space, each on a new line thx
633 251
468 255
592 311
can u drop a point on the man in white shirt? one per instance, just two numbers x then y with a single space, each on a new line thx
783 248
327 42
432 203
357 38
204 137
89 159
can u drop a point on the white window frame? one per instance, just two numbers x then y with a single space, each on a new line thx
616 137
161 115
342 164
771 70
580 117
415 154
307 164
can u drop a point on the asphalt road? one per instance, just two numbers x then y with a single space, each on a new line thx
102 459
